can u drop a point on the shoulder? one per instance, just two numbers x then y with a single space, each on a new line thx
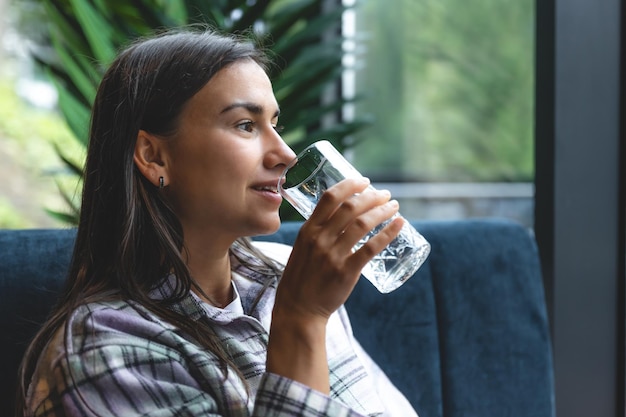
109 312
118 322
105 348
92 328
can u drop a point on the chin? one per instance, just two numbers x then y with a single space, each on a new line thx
267 227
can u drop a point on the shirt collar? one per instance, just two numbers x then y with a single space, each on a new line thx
251 275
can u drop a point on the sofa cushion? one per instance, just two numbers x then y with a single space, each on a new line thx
494 339
33 265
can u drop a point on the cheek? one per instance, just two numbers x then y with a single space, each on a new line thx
223 177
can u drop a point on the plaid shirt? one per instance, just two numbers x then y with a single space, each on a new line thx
119 359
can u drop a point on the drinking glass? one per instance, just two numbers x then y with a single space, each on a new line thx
319 167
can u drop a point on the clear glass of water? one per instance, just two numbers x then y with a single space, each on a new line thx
319 167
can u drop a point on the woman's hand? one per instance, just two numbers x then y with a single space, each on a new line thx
322 272
323 269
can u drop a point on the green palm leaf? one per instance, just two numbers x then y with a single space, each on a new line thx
96 30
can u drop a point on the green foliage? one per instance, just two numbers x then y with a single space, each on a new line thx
30 130
453 82
10 217
28 136
86 34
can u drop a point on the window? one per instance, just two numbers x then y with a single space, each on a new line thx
449 85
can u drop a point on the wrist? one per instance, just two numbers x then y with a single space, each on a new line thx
297 349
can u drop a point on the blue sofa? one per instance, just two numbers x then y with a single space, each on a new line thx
467 336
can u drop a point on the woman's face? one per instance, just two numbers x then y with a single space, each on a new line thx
226 157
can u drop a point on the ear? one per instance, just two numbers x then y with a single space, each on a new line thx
149 159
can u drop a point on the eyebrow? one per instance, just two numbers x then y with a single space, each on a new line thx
251 107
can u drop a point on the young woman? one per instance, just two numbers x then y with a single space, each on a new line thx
170 309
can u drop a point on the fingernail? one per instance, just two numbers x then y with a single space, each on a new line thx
393 203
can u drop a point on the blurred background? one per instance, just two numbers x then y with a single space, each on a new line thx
30 126
432 100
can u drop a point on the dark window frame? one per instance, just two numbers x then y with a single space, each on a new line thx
580 209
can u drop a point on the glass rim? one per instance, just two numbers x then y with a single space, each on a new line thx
306 151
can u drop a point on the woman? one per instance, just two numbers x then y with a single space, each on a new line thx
169 308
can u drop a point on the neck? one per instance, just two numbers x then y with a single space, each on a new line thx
211 271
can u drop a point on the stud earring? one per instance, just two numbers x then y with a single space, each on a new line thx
161 183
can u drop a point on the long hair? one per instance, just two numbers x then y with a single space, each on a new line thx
128 238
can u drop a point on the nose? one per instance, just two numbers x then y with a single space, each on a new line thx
279 153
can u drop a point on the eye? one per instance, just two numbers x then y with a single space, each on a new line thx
279 129
247 126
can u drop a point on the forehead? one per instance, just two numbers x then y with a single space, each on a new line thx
243 81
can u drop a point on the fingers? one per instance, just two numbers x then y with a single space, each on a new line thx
375 210
323 267
349 210
354 212
377 243
335 196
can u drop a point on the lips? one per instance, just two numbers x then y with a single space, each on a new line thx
267 186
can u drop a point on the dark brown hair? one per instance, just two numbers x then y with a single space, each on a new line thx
126 225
